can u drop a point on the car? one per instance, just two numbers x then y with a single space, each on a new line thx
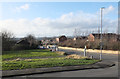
53 48
41 47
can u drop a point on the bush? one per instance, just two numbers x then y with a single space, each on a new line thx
20 47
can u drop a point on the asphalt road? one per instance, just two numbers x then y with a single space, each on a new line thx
103 72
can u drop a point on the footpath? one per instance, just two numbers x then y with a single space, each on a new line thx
90 50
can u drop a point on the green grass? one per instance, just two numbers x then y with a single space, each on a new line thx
47 62
55 61
28 53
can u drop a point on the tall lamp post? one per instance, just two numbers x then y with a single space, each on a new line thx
101 34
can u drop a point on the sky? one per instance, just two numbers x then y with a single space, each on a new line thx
47 19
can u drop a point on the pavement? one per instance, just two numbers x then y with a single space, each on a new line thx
101 69
91 50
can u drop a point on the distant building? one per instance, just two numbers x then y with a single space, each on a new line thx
91 37
49 41
107 36
80 38
57 39
23 41
61 39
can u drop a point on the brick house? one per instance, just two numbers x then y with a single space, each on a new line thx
61 38
107 36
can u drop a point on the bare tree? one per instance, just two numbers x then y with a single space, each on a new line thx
31 39
99 29
7 40
105 31
86 32
75 33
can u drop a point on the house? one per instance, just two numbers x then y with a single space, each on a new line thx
106 36
27 42
61 38
91 37
57 39
49 41
22 44
23 41
80 38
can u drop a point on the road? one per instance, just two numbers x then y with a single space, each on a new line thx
103 72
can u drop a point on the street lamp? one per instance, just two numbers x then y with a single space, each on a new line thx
101 34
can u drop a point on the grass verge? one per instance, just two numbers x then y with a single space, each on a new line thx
47 62
28 53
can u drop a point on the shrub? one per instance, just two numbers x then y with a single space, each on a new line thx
20 47
74 56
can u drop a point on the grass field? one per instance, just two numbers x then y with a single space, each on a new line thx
15 60
28 53
47 62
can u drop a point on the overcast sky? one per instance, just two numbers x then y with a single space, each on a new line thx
56 18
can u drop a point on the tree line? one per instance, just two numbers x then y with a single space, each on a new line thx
107 45
9 43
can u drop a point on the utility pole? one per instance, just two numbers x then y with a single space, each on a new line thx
101 35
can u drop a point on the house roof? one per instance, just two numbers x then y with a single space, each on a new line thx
81 37
98 34
22 41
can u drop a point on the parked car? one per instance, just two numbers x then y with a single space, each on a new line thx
41 47
53 48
